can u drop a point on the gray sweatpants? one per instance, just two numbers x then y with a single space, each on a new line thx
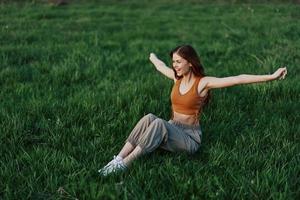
152 132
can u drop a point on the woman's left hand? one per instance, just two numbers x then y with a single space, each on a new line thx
280 73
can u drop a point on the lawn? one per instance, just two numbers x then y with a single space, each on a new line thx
75 80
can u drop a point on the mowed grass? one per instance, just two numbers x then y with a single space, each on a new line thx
76 79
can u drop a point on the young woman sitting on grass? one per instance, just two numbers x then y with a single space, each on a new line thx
189 94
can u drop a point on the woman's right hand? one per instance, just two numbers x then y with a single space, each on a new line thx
152 57
161 66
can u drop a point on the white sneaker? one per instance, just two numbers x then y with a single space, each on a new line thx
115 165
114 160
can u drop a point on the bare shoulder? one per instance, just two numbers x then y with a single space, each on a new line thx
206 79
202 86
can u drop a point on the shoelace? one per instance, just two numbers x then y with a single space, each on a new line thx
113 166
112 162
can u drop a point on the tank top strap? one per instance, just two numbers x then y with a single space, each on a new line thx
198 79
197 83
178 81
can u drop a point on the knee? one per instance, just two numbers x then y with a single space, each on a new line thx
158 122
150 117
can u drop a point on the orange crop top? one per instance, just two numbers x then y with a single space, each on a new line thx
189 103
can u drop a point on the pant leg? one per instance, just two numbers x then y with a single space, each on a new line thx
162 134
140 128
181 140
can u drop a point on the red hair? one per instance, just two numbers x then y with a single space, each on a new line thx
188 53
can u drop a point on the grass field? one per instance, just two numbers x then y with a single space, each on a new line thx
76 79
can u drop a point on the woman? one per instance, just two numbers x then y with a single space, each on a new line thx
189 94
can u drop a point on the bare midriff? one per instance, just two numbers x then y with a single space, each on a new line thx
185 119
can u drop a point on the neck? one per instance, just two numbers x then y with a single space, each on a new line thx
188 77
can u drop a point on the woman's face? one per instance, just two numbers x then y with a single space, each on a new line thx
181 65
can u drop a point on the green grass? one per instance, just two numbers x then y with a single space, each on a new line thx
76 79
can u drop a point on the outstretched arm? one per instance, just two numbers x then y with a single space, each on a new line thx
161 66
213 82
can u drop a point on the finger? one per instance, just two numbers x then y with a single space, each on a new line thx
281 75
284 74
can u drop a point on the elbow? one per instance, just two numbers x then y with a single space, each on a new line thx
240 79
243 79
